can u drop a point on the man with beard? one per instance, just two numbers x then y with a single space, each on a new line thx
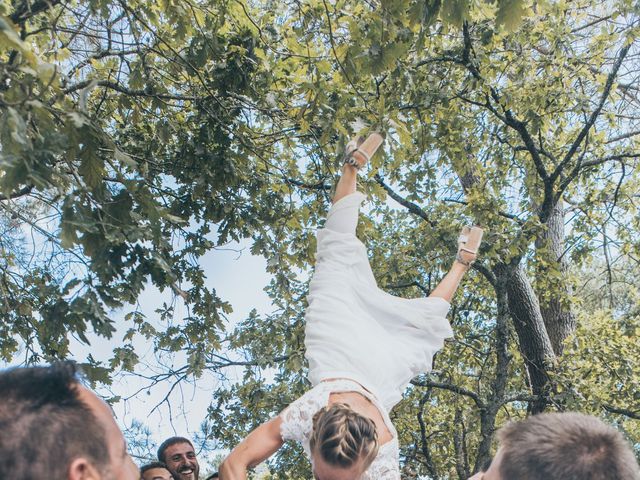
178 455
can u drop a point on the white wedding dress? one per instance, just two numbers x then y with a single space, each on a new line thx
363 338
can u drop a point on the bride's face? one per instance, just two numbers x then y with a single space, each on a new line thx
325 471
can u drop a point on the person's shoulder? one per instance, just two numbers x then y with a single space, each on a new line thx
316 397
297 418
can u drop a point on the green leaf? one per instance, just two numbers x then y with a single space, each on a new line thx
78 119
124 158
455 12
510 13
47 73
9 37
16 126
91 165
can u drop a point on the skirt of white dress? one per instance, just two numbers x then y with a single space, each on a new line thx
355 330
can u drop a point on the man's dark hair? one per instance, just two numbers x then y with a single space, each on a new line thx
168 442
565 446
44 426
151 465
213 476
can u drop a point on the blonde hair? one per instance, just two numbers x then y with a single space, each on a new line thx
342 436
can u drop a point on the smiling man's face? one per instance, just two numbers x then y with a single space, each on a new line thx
181 461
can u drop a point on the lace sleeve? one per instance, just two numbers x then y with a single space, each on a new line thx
383 468
386 465
297 418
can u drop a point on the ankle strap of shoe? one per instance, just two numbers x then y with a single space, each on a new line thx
349 160
461 260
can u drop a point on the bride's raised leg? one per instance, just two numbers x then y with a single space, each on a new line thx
468 245
357 154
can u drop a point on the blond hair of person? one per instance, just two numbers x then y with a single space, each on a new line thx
343 437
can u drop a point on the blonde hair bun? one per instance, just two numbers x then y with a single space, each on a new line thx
342 436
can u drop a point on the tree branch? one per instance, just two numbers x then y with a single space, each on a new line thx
335 55
510 120
310 186
521 397
510 216
622 411
618 157
624 136
424 289
28 10
127 91
218 361
452 388
594 163
20 193
488 274
590 122
424 444
409 205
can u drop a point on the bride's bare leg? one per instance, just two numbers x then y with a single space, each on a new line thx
347 183
470 239
449 284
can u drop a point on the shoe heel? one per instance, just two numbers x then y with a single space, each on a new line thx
368 148
474 238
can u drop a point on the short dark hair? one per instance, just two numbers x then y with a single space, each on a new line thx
44 425
565 446
168 442
151 465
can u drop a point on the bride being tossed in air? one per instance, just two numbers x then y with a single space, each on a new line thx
363 346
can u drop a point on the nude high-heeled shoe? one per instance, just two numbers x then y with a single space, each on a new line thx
468 243
359 151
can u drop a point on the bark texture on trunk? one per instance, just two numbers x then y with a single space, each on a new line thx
534 341
498 386
556 311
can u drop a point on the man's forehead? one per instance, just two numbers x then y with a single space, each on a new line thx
159 472
181 447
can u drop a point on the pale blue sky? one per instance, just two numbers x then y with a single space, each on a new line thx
238 278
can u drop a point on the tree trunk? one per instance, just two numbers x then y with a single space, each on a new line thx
534 341
554 304
499 383
460 446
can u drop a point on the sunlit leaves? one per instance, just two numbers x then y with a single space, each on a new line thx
510 13
455 11
9 40
603 348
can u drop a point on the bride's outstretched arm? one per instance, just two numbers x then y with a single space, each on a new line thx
259 445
